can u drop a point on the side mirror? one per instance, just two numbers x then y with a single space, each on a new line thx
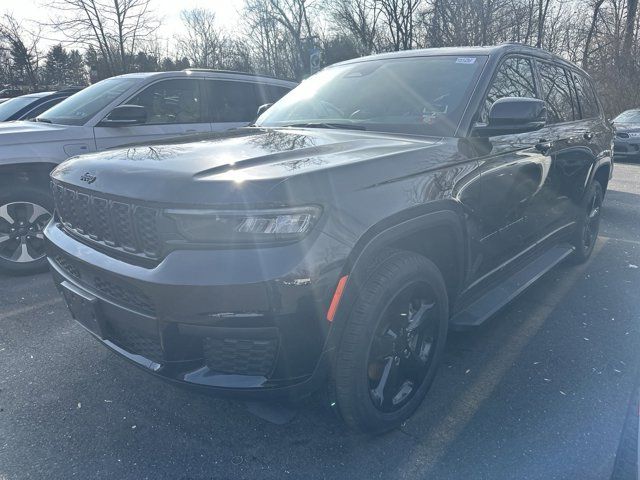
512 115
125 116
264 108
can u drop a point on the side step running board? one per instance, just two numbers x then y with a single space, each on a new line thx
487 305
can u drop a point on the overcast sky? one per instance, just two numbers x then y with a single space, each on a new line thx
169 10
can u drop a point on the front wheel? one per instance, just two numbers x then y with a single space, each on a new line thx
24 212
586 233
392 344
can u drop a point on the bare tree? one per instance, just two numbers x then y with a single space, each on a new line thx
359 19
399 17
115 28
632 12
202 41
23 49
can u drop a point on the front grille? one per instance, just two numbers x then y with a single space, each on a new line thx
240 356
68 266
127 296
620 148
135 342
115 224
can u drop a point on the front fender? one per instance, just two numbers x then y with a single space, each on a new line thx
376 239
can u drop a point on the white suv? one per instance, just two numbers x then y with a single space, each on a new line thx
134 108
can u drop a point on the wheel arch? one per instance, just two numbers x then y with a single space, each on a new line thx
438 234
34 174
602 174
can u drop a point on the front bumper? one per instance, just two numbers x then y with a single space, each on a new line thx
227 321
626 148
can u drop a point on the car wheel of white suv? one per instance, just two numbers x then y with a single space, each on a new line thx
24 213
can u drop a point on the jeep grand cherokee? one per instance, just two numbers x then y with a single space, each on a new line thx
332 244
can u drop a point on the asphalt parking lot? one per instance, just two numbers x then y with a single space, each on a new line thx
539 392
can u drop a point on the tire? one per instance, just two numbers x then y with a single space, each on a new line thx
405 296
22 245
588 226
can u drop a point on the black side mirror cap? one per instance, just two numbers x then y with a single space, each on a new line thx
125 116
512 115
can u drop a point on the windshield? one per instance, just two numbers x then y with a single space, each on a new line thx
79 108
630 116
13 105
423 95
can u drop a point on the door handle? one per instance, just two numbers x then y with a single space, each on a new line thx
190 131
543 145
587 135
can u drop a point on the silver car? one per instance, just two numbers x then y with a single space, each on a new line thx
626 145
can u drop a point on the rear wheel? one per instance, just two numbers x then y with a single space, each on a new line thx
24 212
392 344
588 226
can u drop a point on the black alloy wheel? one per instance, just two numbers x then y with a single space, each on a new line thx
402 349
588 225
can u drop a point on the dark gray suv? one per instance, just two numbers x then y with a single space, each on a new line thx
334 243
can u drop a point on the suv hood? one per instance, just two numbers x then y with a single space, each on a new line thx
627 127
26 132
242 165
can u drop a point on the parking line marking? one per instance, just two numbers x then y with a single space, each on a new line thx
29 308
625 240
430 450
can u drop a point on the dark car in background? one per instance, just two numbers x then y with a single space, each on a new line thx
6 93
627 139
333 244
29 106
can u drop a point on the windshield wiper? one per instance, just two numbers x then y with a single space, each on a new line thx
43 120
349 126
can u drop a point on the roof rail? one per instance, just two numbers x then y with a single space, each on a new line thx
235 72
71 88
519 44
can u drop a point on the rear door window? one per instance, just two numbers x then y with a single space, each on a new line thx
271 93
557 93
233 102
514 78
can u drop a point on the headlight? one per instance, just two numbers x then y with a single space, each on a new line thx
245 226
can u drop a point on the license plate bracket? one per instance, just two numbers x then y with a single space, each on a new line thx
83 307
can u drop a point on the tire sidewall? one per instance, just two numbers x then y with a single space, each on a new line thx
370 418
33 195
582 253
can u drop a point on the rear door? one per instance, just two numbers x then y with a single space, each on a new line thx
174 107
565 147
595 138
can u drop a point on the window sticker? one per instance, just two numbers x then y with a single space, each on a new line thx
467 60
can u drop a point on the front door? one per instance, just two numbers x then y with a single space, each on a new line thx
174 107
514 174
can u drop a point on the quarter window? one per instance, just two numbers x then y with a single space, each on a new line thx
586 97
556 91
514 78
171 101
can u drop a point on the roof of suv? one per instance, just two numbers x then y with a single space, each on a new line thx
213 74
486 50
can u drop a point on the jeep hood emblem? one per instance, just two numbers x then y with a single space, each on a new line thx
87 177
